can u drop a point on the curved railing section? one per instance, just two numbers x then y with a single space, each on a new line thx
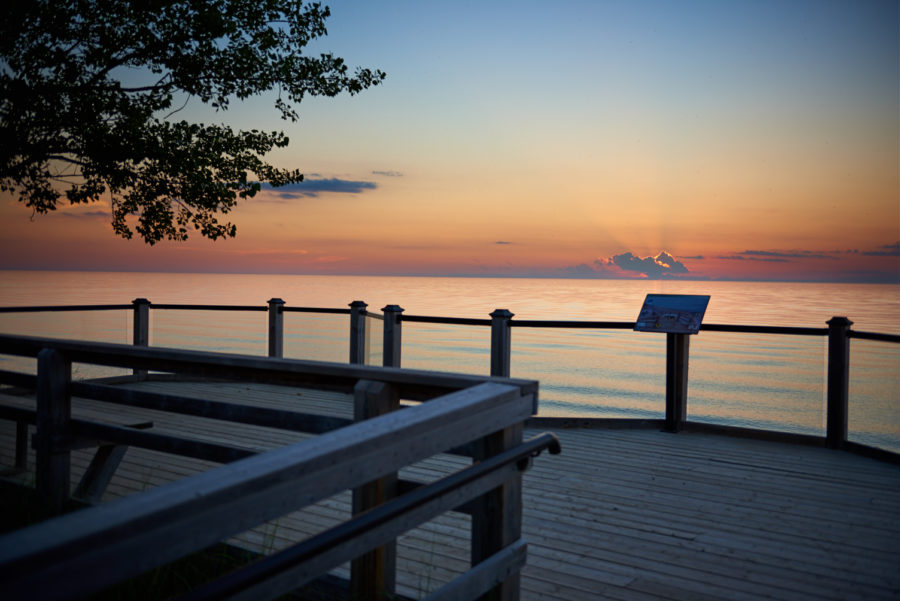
480 417
837 335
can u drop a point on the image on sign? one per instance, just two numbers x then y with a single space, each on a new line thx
674 313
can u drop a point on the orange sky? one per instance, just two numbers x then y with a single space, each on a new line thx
748 140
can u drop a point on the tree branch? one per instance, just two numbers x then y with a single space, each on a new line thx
179 109
159 85
105 70
65 159
70 122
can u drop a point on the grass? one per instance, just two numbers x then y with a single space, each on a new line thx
19 508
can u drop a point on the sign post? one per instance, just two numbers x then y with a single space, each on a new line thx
679 316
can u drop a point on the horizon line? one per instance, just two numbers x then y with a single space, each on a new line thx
894 282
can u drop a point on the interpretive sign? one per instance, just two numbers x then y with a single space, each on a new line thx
672 313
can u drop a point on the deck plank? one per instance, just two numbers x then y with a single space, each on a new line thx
631 515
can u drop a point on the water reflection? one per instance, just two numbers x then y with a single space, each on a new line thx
770 381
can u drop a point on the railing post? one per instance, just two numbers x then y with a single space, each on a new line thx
501 342
276 327
21 446
838 393
358 332
392 336
497 514
141 328
677 346
373 575
54 413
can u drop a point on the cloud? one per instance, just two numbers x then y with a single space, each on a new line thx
329 259
781 256
662 265
280 252
388 173
85 214
581 270
788 256
796 254
502 242
752 258
628 264
311 188
890 250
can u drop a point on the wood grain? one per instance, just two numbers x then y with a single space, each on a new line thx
631 515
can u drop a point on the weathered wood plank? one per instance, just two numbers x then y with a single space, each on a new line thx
99 472
606 519
53 417
412 384
237 496
373 575
487 575
496 516
297 564
233 412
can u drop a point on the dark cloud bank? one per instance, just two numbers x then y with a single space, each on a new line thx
888 250
312 188
661 266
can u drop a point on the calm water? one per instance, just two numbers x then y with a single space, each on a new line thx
766 381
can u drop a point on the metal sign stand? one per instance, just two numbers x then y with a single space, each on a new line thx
679 316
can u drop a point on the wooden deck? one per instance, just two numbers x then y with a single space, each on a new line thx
621 514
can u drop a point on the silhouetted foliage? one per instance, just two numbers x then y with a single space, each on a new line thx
90 91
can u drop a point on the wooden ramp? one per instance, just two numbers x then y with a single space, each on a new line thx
620 514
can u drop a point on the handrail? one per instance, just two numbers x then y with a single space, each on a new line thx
65 308
518 323
169 306
412 384
874 336
428 501
459 321
173 520
324 310
614 325
565 324
502 323
54 558
180 307
221 410
747 329
629 325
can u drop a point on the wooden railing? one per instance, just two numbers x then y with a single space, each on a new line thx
477 416
501 322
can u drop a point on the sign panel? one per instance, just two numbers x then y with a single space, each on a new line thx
672 313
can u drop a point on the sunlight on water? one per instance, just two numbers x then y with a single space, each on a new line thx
95 326
316 337
593 373
220 331
766 381
438 347
374 341
875 394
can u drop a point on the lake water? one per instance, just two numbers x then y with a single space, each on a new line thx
764 381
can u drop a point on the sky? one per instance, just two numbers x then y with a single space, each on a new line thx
698 139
